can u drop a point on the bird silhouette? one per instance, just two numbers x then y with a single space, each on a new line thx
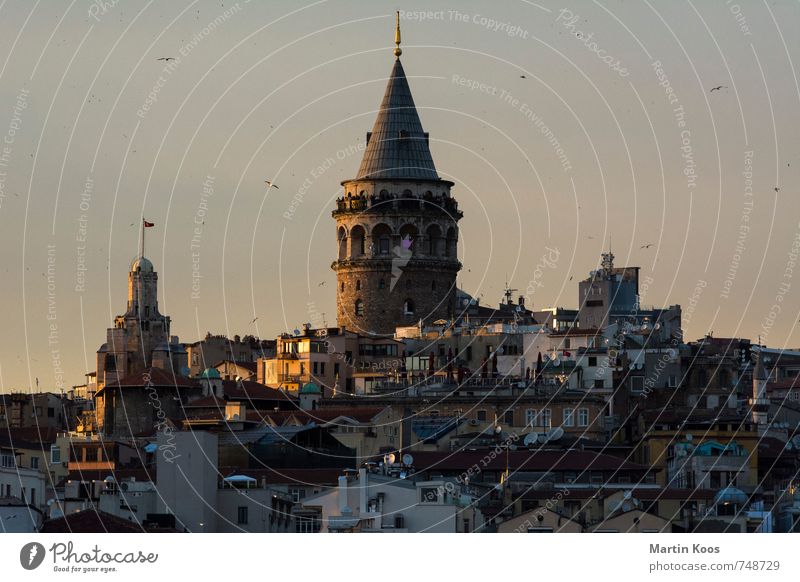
253 320
717 88
165 59
270 185
321 284
647 246
777 189
522 77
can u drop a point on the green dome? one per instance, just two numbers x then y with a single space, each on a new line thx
310 388
210 373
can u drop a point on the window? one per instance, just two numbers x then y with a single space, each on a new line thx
408 307
55 454
34 462
468 354
33 495
7 461
342 287
314 367
322 368
382 284
358 284
508 417
242 515
530 417
637 383
359 308
307 524
583 417
569 417
297 494
672 381
433 285
546 418
596 478
598 384
51 412
481 414
593 361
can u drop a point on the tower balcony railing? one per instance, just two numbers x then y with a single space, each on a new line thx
394 203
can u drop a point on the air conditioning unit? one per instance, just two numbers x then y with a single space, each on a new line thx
473 422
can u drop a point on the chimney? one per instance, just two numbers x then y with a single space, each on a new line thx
343 495
362 490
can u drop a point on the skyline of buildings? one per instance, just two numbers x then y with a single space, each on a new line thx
425 407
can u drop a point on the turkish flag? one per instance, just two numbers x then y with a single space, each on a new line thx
148 224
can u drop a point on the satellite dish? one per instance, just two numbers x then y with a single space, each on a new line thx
389 459
689 438
109 479
789 446
408 459
556 361
657 326
796 441
541 437
529 439
554 434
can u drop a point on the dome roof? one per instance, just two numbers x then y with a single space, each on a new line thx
310 388
210 373
142 264
730 494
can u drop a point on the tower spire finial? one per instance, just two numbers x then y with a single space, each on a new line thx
397 50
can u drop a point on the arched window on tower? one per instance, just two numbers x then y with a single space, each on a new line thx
433 285
434 240
408 307
359 308
342 237
342 287
451 242
358 284
357 236
382 239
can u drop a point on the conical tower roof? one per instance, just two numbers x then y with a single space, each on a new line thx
397 147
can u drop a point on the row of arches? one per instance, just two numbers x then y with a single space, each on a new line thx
383 241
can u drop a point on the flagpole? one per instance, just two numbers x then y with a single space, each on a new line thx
141 249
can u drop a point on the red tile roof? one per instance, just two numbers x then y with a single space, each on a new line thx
522 461
90 521
153 377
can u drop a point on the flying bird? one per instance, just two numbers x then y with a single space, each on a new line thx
570 277
647 246
165 59
253 320
522 77
718 88
321 284
270 185
777 189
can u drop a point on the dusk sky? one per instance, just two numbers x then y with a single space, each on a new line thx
558 122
